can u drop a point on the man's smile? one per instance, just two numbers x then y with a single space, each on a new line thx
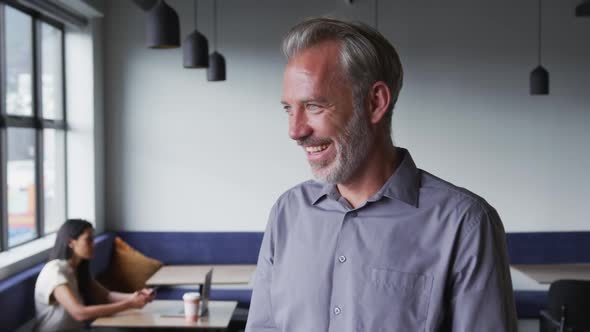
316 148
318 153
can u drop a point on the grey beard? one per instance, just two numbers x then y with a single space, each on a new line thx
352 148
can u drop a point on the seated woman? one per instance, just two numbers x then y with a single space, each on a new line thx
66 295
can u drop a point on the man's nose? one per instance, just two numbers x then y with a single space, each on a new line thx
298 125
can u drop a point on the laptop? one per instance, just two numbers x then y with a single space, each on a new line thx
203 306
206 291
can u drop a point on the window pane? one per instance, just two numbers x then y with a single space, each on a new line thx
19 63
54 179
51 68
21 185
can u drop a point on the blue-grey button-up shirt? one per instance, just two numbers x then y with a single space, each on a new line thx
419 255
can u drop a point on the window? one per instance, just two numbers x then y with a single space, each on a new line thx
32 125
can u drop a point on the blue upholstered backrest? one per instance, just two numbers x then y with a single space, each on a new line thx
243 247
549 247
197 247
17 299
103 250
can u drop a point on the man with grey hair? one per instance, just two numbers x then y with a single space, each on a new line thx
375 244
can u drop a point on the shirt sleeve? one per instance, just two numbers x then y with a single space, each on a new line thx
51 276
260 315
482 295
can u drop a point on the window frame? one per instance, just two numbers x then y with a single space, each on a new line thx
35 121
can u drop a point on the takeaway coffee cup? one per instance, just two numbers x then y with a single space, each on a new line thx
191 306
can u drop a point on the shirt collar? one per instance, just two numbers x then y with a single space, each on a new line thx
329 190
403 184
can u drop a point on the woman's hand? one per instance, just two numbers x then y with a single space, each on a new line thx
150 293
80 312
137 300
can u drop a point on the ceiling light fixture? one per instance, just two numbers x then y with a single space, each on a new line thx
195 47
216 70
163 27
583 9
539 79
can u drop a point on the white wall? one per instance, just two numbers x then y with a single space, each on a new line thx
190 155
86 157
99 130
84 99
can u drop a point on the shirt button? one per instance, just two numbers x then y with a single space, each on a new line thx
354 214
337 310
342 259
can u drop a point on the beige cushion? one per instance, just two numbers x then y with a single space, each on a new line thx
129 269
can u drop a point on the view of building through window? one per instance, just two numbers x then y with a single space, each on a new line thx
21 185
19 62
54 181
51 76
24 158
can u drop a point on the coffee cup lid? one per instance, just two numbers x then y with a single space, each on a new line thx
191 296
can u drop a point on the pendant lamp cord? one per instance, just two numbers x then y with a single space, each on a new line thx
377 15
215 25
195 12
539 35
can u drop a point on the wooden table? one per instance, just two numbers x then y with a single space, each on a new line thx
548 273
174 275
154 315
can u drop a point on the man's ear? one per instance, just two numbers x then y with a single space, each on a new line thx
379 99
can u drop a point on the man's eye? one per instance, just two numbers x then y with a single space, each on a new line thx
313 107
287 109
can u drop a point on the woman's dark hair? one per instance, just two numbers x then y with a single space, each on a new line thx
71 230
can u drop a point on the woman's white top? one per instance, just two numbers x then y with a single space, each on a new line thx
52 316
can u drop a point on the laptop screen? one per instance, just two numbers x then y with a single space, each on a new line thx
205 294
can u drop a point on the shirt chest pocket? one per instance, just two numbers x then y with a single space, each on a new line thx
400 299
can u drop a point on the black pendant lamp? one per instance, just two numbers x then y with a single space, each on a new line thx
216 70
195 48
539 76
583 9
163 28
